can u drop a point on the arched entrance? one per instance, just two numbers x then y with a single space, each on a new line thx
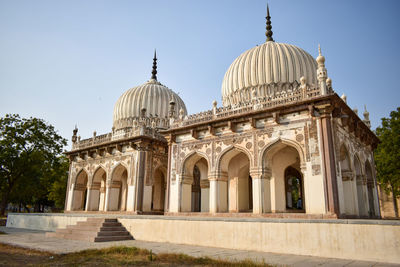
195 185
196 190
119 189
235 164
362 208
282 162
370 188
349 191
294 190
158 190
98 190
80 191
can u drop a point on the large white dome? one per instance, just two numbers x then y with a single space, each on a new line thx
267 68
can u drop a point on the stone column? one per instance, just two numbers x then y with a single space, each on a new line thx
67 194
328 159
140 175
71 192
88 197
263 193
205 195
218 192
170 140
185 183
108 195
213 194
258 184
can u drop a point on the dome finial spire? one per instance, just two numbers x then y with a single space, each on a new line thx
268 33
154 72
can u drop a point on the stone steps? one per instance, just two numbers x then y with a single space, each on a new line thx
94 230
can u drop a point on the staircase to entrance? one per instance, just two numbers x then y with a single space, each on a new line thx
94 230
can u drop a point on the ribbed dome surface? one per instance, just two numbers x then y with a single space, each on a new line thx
153 96
265 65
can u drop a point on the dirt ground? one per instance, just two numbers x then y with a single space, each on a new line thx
115 256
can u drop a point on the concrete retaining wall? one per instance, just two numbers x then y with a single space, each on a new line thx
375 240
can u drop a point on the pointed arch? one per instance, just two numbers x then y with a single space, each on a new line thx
276 145
78 173
119 187
99 168
116 167
233 166
81 176
344 158
282 161
80 190
158 188
194 178
370 188
192 158
230 149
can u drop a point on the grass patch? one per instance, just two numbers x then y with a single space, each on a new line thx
114 256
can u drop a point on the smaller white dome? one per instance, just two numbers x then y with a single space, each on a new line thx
153 96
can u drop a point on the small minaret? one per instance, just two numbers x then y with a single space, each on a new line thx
366 117
344 98
269 33
74 137
172 108
322 73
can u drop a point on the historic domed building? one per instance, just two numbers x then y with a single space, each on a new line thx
282 144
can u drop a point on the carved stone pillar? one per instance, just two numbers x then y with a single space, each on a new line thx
140 175
259 186
71 194
170 140
88 197
218 192
213 194
108 195
328 158
185 184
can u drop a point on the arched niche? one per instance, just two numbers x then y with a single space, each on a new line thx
234 166
361 189
370 189
80 191
195 184
119 188
348 183
159 189
98 190
281 160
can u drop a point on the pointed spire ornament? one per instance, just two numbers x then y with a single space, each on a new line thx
268 33
154 72
366 117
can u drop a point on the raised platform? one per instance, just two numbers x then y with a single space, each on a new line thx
372 240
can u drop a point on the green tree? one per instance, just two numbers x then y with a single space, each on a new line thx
59 185
29 148
387 155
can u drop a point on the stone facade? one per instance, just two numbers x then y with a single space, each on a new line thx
280 144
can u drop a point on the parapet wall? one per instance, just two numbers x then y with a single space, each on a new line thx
370 240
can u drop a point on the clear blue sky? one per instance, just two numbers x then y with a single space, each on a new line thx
68 61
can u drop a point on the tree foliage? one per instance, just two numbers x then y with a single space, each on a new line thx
387 156
30 151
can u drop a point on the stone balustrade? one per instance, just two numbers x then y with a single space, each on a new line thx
143 127
279 99
120 134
